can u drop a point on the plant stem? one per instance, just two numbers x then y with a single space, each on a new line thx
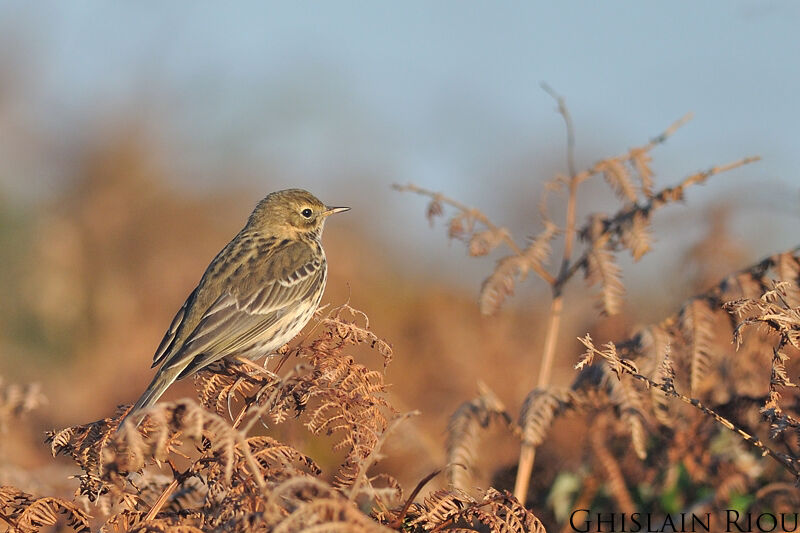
527 454
553 326
151 514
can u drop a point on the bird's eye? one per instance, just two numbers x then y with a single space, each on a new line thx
306 212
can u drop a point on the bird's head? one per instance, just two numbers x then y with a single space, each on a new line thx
290 213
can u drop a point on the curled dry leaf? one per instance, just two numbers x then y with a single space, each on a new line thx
501 282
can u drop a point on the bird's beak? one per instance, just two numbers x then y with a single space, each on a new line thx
331 210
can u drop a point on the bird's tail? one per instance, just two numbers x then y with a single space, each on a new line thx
162 380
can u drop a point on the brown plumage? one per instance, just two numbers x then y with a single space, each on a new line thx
256 294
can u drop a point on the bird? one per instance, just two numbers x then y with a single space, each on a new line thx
256 295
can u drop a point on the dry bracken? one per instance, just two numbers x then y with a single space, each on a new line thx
203 467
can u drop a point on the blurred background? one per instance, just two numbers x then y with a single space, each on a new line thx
134 142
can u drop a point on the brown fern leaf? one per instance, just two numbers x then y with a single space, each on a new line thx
164 422
751 285
338 395
334 394
636 236
457 511
463 435
540 408
274 455
777 317
134 522
86 445
618 177
788 269
640 158
613 227
549 187
462 224
439 507
657 348
386 492
510 269
731 485
483 242
221 384
612 472
343 329
108 456
434 209
17 400
328 514
609 353
359 481
601 269
697 326
773 312
500 284
626 397
622 392
304 504
27 513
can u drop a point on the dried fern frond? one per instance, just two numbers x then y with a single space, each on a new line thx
540 409
87 445
463 435
513 268
628 228
773 311
641 159
662 373
622 367
615 225
627 398
333 393
482 235
788 269
108 456
434 209
276 457
456 510
221 384
483 242
228 473
618 178
306 504
17 400
636 236
612 472
327 515
622 393
26 513
361 483
770 310
602 270
697 326
342 329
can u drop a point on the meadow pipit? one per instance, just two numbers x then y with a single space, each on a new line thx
256 294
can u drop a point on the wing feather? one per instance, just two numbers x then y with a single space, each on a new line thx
248 308
169 336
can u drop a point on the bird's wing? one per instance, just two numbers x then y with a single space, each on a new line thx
249 305
169 337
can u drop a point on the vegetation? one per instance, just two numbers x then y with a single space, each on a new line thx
696 412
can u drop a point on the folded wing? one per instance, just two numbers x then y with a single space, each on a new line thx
250 305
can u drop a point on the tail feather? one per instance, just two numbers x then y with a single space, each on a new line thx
162 380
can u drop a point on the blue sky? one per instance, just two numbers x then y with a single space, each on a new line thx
445 94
